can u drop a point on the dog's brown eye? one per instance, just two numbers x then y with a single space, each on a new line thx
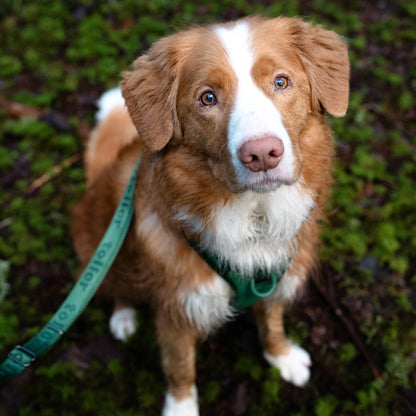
281 82
208 99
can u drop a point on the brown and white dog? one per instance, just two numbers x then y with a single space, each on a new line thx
236 160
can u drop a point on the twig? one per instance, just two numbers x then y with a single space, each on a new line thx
329 295
39 182
19 110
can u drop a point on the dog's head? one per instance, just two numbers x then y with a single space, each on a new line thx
241 94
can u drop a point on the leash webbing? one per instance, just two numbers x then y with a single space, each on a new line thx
23 355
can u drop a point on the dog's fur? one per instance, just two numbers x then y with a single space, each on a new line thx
201 100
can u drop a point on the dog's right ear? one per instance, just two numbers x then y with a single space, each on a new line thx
150 91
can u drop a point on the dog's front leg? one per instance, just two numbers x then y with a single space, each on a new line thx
177 347
292 361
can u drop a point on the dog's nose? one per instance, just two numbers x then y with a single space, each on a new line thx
261 154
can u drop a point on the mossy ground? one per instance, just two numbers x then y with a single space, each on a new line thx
358 322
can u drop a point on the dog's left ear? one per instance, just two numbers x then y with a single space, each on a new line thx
150 92
325 58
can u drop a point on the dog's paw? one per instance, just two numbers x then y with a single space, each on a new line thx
294 366
123 323
184 407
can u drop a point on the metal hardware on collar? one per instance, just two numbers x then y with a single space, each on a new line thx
256 289
23 355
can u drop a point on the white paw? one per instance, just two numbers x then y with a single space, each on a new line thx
123 323
184 407
294 367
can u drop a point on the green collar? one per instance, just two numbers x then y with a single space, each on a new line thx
248 289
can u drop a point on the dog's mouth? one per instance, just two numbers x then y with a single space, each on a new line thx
263 182
241 179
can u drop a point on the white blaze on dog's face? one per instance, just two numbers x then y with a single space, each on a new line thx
255 118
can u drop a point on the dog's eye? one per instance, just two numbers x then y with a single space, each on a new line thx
208 99
281 82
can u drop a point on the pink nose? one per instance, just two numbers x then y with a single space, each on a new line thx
261 154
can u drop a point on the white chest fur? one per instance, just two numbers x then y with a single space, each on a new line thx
254 230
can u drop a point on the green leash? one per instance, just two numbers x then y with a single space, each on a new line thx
248 290
23 355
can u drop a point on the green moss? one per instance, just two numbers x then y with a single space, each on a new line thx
59 56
